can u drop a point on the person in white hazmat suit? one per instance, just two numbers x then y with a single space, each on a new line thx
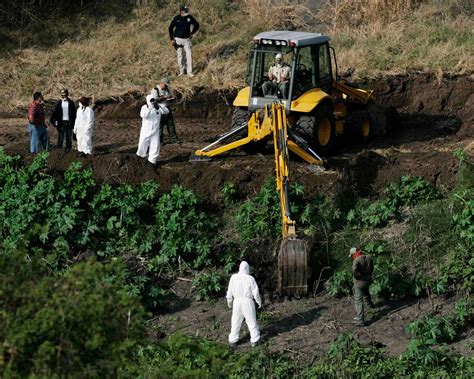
242 292
150 132
83 126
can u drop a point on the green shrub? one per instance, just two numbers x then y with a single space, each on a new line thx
434 330
183 229
340 284
347 358
181 356
82 323
209 286
229 192
407 191
260 217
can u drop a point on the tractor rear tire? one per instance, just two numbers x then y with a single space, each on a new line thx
239 118
318 129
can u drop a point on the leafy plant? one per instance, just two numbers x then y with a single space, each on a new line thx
184 230
80 323
340 284
407 191
229 192
434 330
209 286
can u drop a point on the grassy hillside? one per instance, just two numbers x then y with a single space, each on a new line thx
372 37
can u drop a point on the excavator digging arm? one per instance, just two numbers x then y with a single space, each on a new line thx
258 128
292 258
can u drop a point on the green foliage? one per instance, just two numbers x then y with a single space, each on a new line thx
229 192
185 357
434 329
408 191
261 216
209 286
61 220
348 358
82 323
465 175
340 284
184 230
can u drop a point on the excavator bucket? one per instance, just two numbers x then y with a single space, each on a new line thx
293 267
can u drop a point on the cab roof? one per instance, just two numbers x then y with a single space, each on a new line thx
296 38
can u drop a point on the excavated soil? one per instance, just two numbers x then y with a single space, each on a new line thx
435 118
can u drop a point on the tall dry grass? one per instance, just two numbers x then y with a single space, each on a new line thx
371 37
375 37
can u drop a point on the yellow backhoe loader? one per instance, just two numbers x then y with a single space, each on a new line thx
304 109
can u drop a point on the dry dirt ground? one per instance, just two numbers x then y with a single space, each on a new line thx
436 117
304 327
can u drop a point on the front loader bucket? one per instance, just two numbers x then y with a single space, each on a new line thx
293 267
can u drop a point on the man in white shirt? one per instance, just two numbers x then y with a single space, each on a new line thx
63 119
279 75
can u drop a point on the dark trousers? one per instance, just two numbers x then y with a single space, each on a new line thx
65 128
168 121
361 295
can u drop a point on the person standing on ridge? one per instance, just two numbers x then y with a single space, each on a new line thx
181 30
362 269
242 295
63 119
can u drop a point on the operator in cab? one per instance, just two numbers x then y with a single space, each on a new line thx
279 75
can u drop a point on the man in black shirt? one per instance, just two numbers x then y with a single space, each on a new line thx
181 30
63 118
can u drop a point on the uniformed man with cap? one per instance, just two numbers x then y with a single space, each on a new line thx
362 269
163 94
279 75
181 31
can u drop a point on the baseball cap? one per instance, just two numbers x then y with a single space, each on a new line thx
165 81
183 8
278 56
352 251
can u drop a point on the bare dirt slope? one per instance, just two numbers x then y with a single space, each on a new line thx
304 327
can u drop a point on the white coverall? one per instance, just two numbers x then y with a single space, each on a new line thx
240 296
83 129
150 131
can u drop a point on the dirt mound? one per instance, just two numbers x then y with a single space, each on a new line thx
435 119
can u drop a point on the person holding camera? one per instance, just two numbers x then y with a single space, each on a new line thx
164 95
149 141
181 30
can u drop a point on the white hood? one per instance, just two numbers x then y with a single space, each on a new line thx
148 98
244 268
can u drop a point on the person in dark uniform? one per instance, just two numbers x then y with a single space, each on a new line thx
181 30
63 118
362 269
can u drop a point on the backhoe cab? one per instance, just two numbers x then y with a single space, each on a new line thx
304 116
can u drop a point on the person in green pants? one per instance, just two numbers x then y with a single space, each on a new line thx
362 269
164 95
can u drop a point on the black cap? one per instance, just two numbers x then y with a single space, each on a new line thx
183 8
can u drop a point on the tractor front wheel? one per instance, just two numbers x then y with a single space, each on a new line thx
318 129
